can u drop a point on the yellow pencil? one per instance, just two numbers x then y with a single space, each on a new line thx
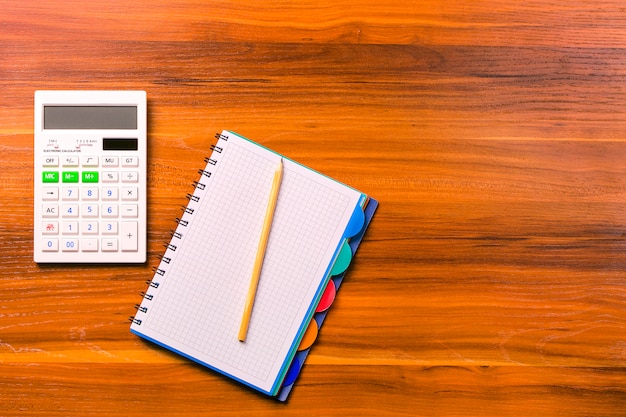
260 254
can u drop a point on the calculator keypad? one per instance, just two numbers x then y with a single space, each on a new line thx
90 203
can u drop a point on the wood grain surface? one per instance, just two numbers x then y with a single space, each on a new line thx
492 280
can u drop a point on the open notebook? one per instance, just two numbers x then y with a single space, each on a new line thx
194 303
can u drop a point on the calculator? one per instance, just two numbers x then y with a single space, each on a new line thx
90 177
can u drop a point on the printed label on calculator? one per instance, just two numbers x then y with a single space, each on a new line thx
90 176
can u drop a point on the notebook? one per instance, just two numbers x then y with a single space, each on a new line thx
194 303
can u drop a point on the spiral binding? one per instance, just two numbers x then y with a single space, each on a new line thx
163 258
175 234
193 197
147 296
198 185
219 136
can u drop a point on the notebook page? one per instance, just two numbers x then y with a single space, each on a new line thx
198 307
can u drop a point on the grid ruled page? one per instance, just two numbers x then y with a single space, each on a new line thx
198 307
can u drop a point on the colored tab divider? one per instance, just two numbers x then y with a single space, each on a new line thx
309 336
343 260
338 272
327 298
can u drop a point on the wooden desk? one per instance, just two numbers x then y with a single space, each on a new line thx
492 280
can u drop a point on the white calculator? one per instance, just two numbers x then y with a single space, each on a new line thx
90 177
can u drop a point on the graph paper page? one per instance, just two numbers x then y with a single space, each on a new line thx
198 305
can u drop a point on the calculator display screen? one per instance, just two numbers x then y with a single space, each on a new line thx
90 117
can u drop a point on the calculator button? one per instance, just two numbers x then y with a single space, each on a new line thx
70 194
70 176
70 228
110 161
89 193
50 228
89 161
50 245
69 161
89 245
69 245
130 193
90 210
50 193
109 228
90 176
130 211
50 176
50 210
130 176
51 161
109 245
70 210
109 193
110 176
89 228
109 210
128 235
130 161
